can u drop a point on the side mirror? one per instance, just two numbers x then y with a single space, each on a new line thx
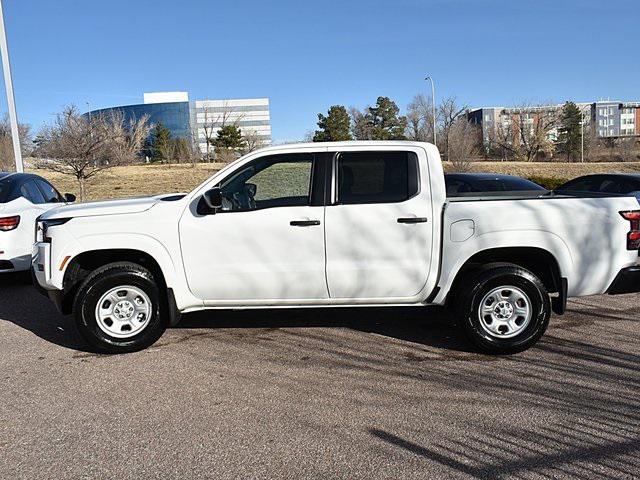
69 197
213 199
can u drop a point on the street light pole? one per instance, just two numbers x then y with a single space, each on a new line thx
11 103
433 101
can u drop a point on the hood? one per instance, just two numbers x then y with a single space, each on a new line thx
107 207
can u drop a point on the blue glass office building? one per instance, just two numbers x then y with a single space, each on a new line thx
200 119
173 115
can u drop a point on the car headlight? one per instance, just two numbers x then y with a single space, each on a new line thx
43 225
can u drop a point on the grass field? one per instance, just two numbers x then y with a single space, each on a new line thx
139 180
136 180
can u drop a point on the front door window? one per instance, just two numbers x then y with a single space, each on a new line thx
274 181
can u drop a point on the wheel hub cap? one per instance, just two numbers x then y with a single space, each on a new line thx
124 311
505 312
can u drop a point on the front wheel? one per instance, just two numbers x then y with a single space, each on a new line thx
504 309
118 308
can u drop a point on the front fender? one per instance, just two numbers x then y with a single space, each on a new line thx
65 252
135 241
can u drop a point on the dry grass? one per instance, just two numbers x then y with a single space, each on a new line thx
136 180
140 180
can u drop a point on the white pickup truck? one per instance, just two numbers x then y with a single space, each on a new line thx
334 224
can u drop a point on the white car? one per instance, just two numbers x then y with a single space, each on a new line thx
334 224
23 197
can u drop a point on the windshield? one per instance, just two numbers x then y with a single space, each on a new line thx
605 184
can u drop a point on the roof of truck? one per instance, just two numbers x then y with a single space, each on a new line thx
351 143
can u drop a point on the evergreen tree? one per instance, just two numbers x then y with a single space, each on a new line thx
161 145
228 137
335 127
385 122
228 143
570 133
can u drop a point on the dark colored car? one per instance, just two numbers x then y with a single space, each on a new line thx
470 184
32 187
611 183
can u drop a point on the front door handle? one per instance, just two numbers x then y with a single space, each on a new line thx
304 223
412 220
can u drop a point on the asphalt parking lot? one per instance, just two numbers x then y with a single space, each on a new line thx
327 393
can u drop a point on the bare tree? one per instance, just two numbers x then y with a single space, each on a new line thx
525 132
627 149
181 150
214 119
448 113
420 119
464 143
252 141
592 144
209 127
84 146
308 136
7 159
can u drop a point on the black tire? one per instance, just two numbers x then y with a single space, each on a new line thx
105 279
483 281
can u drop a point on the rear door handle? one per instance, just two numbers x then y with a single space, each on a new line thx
304 223
412 220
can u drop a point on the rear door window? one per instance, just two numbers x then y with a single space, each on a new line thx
30 191
376 177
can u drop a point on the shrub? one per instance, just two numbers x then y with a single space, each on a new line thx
550 183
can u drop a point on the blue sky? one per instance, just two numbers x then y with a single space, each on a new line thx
307 56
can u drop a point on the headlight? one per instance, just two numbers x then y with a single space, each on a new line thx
43 225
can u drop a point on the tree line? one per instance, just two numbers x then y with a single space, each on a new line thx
524 133
229 142
458 138
85 145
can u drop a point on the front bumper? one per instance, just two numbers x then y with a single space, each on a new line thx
627 281
41 265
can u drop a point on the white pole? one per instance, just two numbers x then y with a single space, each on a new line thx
11 103
433 101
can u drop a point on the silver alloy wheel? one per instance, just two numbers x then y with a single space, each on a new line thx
505 312
124 311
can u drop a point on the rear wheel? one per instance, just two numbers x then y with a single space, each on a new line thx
118 308
504 309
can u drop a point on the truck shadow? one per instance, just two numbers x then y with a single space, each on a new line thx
429 326
23 306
